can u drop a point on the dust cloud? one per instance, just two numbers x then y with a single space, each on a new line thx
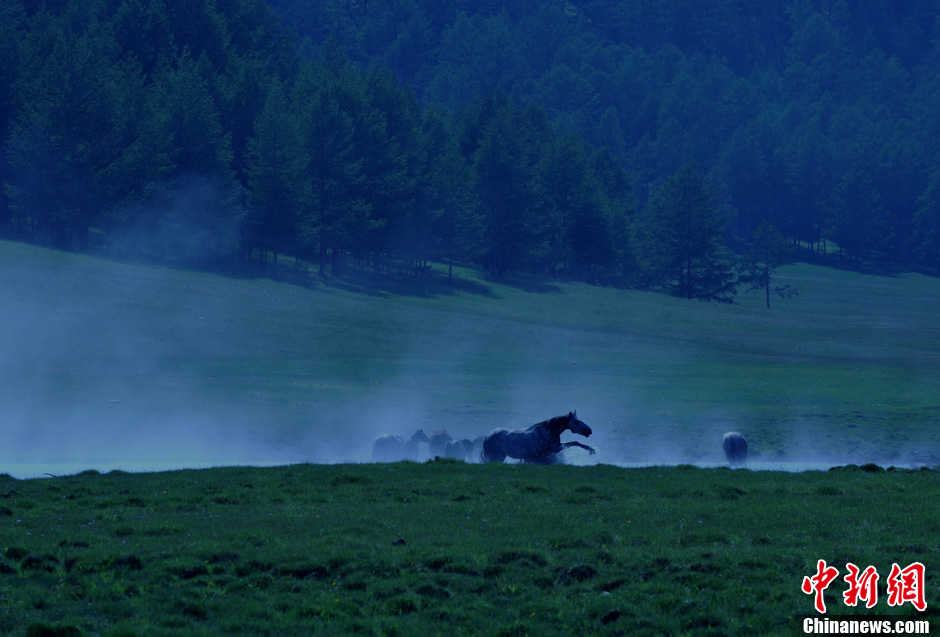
144 368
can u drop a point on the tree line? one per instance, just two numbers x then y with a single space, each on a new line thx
579 140
188 132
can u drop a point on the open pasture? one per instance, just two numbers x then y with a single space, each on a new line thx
115 364
447 548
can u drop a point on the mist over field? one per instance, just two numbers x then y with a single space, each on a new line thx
136 367
149 366
107 373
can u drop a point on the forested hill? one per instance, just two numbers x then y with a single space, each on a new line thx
819 115
570 138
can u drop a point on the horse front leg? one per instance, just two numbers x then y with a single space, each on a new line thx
575 443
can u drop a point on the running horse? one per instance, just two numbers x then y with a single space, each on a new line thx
539 444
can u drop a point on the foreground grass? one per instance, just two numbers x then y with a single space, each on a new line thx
447 548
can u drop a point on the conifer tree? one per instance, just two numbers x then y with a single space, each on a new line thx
275 165
197 214
503 169
573 220
767 250
336 213
456 221
388 140
681 243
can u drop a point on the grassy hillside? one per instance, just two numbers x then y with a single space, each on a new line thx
447 548
110 363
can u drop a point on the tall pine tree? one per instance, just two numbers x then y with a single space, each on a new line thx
504 185
336 215
452 208
681 243
276 161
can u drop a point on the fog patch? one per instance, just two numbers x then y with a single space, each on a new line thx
135 368
192 220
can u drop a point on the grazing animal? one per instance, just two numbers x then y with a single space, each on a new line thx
467 449
539 444
388 448
411 446
455 449
436 443
735 447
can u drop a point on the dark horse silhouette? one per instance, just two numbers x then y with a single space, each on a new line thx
539 444
735 447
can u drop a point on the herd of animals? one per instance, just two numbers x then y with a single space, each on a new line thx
539 444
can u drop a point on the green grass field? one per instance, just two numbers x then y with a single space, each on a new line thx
117 364
446 548
109 364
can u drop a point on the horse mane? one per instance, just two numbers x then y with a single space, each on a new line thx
553 424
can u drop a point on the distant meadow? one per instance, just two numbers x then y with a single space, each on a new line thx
111 365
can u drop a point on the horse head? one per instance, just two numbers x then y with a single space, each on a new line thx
419 436
578 426
436 442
